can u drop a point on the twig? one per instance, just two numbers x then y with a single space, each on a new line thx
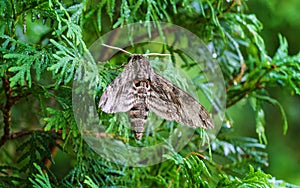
23 133
6 109
258 85
238 77
195 153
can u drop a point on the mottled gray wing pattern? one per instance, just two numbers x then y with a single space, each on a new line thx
119 95
172 103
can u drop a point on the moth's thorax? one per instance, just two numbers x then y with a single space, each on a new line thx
142 67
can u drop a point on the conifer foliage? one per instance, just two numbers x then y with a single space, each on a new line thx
41 46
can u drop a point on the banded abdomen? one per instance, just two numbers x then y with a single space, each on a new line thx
139 112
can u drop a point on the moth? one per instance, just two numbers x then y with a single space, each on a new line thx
139 89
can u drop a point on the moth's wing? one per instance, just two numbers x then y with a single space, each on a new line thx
172 103
119 95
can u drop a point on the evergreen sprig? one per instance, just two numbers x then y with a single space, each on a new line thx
41 179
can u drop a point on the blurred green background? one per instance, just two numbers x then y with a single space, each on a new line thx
283 17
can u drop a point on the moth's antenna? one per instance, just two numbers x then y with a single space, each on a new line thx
157 54
116 48
150 54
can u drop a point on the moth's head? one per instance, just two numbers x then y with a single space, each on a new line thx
138 58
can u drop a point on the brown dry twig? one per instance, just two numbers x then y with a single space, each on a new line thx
6 110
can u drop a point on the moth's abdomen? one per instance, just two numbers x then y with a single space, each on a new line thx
139 112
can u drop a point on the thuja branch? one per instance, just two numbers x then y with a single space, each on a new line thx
6 109
254 82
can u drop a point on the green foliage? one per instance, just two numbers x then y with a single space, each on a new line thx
37 76
61 120
90 167
21 59
41 179
252 179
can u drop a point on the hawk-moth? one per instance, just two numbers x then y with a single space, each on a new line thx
139 89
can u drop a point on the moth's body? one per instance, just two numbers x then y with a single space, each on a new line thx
141 84
139 112
139 88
